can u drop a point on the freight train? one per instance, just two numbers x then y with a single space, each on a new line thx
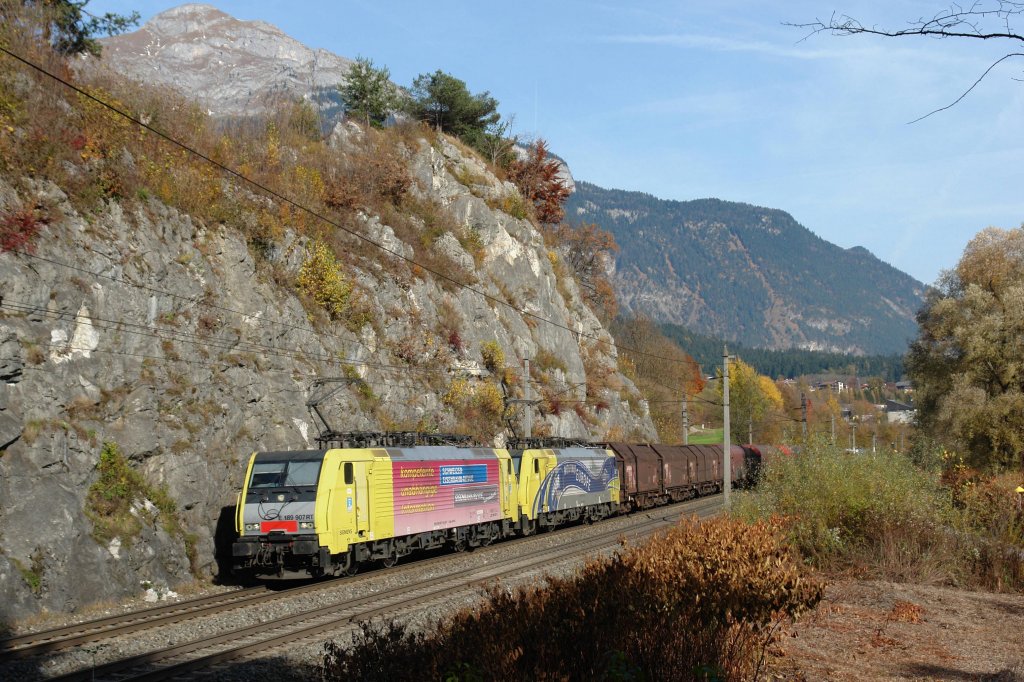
310 513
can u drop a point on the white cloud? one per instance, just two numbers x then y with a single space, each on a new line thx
719 44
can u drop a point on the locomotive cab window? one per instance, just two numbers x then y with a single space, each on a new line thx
267 474
293 474
348 473
536 466
302 473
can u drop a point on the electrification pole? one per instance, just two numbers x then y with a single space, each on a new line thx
686 422
833 429
726 445
527 407
803 415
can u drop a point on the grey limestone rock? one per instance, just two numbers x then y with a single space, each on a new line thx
12 364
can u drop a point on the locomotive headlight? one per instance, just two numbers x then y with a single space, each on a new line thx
252 526
306 525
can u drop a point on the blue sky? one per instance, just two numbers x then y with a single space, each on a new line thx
687 100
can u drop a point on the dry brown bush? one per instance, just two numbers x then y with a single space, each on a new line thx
700 602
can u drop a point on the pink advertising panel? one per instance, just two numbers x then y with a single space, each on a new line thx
435 494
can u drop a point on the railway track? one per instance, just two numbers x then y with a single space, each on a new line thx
49 641
263 638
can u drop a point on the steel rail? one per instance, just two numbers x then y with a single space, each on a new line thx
46 641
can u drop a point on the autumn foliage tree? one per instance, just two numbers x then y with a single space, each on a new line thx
587 250
537 174
755 403
967 362
662 371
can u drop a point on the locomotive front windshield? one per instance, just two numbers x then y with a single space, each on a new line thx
294 473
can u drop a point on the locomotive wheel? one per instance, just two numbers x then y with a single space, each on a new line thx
348 566
488 536
389 561
460 545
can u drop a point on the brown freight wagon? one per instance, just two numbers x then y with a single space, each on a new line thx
709 467
640 473
741 465
679 471
742 456
650 475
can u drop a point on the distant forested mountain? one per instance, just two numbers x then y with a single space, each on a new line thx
707 351
749 274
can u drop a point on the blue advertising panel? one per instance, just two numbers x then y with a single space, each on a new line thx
462 474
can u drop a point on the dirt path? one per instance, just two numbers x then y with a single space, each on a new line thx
872 630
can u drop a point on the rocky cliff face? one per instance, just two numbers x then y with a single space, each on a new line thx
141 327
233 67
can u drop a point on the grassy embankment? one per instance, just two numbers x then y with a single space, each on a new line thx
710 437
881 516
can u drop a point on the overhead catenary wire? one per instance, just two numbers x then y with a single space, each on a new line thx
221 343
231 345
70 349
319 216
253 318
239 345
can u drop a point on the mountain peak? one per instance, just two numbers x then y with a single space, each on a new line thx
750 274
236 67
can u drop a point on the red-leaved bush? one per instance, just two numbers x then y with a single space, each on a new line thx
18 229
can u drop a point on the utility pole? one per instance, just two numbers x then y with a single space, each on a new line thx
726 445
686 422
833 429
527 407
873 436
750 429
526 401
853 435
803 415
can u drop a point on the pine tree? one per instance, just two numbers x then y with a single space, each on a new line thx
444 101
367 93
